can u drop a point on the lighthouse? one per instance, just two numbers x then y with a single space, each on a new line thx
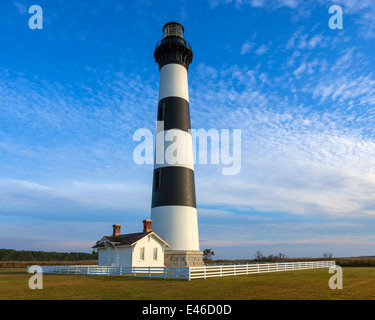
173 208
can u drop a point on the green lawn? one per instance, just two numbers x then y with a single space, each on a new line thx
358 283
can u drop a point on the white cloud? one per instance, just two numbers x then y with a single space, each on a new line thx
314 41
328 169
262 50
343 240
296 41
246 47
289 3
302 41
21 8
300 70
258 3
291 61
24 184
85 194
345 84
295 159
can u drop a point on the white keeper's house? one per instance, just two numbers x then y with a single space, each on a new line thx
143 249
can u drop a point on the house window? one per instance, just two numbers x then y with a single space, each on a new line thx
155 254
157 179
142 253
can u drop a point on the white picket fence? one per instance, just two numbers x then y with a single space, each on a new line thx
243 269
150 272
187 273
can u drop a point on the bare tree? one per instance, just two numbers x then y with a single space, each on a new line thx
282 256
327 255
258 255
208 254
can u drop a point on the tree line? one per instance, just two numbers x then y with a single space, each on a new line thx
25 255
259 257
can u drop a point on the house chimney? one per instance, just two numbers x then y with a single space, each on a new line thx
116 230
147 226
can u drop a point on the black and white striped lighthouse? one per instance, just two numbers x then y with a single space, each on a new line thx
173 210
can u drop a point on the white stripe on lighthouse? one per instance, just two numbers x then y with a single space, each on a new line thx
178 225
173 82
174 148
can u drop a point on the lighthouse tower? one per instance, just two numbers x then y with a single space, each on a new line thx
173 209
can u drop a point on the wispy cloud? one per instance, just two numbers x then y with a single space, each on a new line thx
247 46
296 159
64 200
21 7
319 240
262 50
323 173
257 3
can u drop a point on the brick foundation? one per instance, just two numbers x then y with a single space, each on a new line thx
177 258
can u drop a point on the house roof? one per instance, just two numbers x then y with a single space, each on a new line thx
126 239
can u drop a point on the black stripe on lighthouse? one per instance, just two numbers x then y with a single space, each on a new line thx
173 186
175 113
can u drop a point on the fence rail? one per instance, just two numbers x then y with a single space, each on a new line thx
187 273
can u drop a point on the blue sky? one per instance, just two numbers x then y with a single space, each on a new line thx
73 94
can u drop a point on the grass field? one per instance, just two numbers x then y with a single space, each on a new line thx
358 283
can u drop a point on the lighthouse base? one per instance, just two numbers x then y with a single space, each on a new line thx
182 258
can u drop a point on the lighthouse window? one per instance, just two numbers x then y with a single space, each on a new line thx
173 30
161 112
157 179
